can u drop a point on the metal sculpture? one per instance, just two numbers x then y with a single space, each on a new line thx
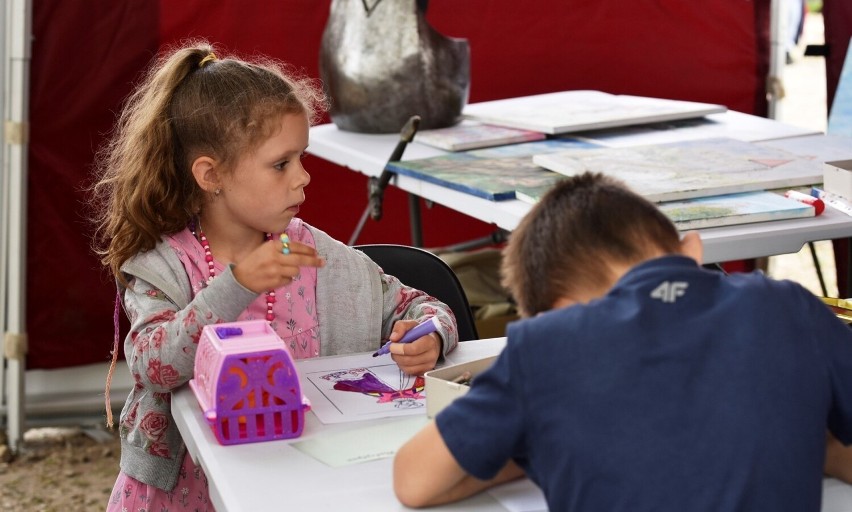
382 63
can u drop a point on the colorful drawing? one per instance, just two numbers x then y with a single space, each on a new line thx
362 380
357 387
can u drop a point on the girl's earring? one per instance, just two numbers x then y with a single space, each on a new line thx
217 192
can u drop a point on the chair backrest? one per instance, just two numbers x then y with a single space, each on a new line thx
425 271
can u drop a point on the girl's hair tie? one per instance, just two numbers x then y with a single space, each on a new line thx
209 58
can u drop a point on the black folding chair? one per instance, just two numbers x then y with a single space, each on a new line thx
425 271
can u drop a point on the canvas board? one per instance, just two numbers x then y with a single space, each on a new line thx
819 147
688 169
733 209
493 173
572 111
473 135
730 124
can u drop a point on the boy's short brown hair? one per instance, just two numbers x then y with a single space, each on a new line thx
563 244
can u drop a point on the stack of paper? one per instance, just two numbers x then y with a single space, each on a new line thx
472 135
572 111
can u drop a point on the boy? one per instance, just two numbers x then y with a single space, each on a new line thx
639 380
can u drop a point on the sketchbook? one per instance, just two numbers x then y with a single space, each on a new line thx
572 111
473 135
688 169
493 173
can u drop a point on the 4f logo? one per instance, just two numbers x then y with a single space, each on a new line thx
669 291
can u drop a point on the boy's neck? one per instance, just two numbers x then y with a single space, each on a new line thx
617 269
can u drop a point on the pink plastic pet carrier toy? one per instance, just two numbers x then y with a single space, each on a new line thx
247 385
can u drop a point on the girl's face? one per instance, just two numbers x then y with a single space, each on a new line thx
267 186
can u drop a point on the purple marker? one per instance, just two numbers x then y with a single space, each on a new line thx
425 327
228 332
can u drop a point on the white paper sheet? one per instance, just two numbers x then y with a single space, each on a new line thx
357 445
520 496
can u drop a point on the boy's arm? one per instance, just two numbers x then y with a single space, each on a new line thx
838 460
425 473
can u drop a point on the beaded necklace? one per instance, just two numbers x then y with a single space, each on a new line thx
211 271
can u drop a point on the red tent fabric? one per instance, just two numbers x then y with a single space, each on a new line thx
86 56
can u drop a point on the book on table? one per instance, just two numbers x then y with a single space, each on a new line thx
733 209
473 135
688 169
715 211
492 173
572 111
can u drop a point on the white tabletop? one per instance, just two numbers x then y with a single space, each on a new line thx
274 476
368 153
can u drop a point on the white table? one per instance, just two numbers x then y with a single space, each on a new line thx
368 153
274 476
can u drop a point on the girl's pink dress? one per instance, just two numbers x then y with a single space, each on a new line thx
295 322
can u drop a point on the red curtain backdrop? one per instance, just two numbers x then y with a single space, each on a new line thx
88 53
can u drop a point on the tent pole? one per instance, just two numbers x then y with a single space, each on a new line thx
16 131
4 219
777 59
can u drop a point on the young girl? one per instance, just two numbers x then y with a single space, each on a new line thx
198 194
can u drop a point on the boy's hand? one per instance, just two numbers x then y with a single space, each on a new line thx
267 268
416 357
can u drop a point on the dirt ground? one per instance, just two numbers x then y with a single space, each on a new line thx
60 469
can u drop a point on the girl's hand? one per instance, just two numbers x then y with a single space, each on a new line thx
416 357
267 268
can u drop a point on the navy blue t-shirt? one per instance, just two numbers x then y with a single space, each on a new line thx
681 389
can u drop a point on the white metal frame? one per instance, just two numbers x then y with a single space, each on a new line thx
17 22
4 221
778 31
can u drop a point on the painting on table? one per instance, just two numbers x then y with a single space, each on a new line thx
731 209
493 173
688 169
